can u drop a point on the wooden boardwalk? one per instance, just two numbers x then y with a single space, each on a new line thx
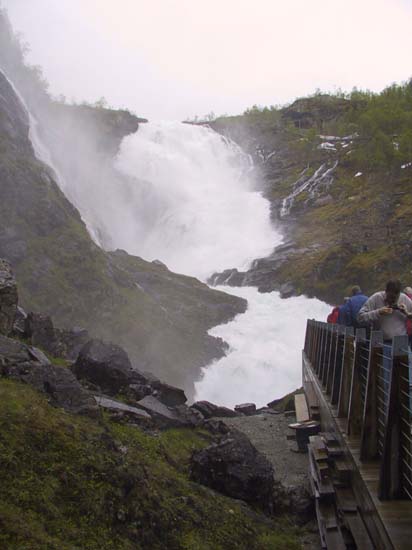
389 522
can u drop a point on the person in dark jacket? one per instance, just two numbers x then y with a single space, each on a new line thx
351 308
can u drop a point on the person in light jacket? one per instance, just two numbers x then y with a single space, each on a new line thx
389 311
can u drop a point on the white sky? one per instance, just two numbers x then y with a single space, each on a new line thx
178 58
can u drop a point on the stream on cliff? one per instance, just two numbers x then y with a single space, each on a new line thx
188 198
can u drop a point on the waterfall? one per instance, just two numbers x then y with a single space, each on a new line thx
186 196
199 210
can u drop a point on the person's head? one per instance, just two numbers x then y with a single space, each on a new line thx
408 291
356 289
392 291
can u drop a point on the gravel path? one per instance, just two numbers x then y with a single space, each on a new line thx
267 432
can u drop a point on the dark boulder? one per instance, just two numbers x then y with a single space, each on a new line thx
189 416
8 298
235 468
19 326
31 366
169 395
246 408
138 391
162 415
70 342
215 426
106 366
40 330
210 410
231 277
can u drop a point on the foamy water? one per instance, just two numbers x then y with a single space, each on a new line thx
201 208
189 200
266 343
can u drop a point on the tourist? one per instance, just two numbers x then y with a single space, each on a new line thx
342 311
388 311
352 307
408 292
333 315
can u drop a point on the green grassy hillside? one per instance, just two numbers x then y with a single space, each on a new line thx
70 482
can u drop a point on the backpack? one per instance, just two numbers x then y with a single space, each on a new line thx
333 315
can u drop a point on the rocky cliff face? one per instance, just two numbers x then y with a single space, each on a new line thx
161 318
340 196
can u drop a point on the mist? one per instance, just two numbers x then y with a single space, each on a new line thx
176 59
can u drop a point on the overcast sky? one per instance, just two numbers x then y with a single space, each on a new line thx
179 58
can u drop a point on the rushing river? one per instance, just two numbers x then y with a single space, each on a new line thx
187 197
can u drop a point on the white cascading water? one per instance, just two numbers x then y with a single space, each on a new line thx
200 208
189 201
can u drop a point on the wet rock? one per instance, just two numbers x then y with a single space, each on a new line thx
216 427
30 365
121 411
71 342
138 391
62 343
231 277
163 416
169 395
8 298
107 366
39 356
189 416
246 408
210 410
40 330
235 468
287 290
19 326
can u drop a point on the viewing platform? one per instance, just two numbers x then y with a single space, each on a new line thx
359 389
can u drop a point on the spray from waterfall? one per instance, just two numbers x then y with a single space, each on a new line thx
193 203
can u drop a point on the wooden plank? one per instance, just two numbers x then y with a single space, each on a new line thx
342 470
334 540
345 499
323 486
358 531
327 512
301 407
389 523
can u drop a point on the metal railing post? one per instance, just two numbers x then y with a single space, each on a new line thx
346 378
369 434
392 466
355 400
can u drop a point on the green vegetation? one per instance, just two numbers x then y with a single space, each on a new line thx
362 233
73 482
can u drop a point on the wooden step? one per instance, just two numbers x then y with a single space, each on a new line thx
358 530
301 408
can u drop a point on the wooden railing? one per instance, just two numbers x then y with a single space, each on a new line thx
369 381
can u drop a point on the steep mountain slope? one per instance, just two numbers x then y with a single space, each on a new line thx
338 173
161 318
